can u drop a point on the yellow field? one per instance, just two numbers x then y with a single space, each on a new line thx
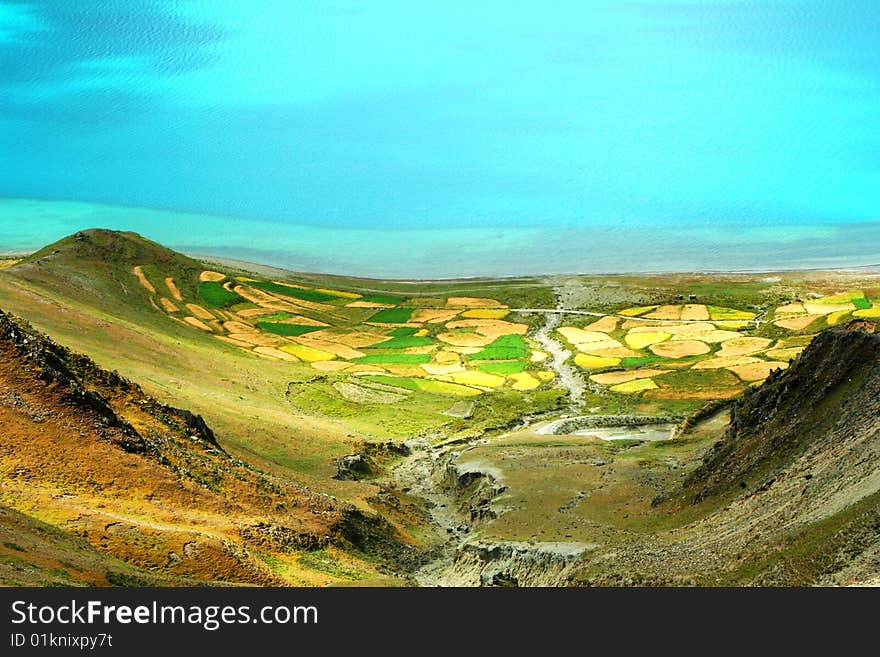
680 349
791 309
796 323
834 318
368 304
437 369
213 276
610 352
524 381
539 356
480 379
726 361
257 338
695 312
580 336
306 353
494 328
664 312
485 313
546 375
708 336
632 387
743 346
172 288
757 371
784 354
192 321
139 272
339 293
595 362
445 356
613 378
465 339
326 346
330 365
867 313
818 308
604 325
473 302
276 353
637 311
433 315
199 312
642 340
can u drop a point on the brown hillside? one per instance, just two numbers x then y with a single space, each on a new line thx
87 451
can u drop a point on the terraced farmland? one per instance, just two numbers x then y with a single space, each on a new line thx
722 350
471 346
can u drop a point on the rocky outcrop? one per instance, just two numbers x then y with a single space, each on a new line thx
830 395
480 563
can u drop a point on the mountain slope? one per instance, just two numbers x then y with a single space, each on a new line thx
791 494
88 452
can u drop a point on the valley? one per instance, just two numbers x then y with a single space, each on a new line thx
545 431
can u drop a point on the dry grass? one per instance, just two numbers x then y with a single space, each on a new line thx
327 346
199 324
708 336
168 305
595 362
614 378
680 349
796 323
172 288
692 311
826 308
493 328
757 371
306 353
743 346
642 340
368 304
199 312
485 313
139 272
433 315
474 378
791 309
212 276
726 361
465 339
633 387
604 325
524 381
276 353
330 365
665 312
473 302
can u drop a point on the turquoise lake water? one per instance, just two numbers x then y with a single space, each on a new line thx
394 139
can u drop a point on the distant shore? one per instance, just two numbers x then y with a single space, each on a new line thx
424 254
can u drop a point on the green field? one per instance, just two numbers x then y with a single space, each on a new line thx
382 298
295 292
403 342
392 316
504 367
285 329
506 347
216 296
